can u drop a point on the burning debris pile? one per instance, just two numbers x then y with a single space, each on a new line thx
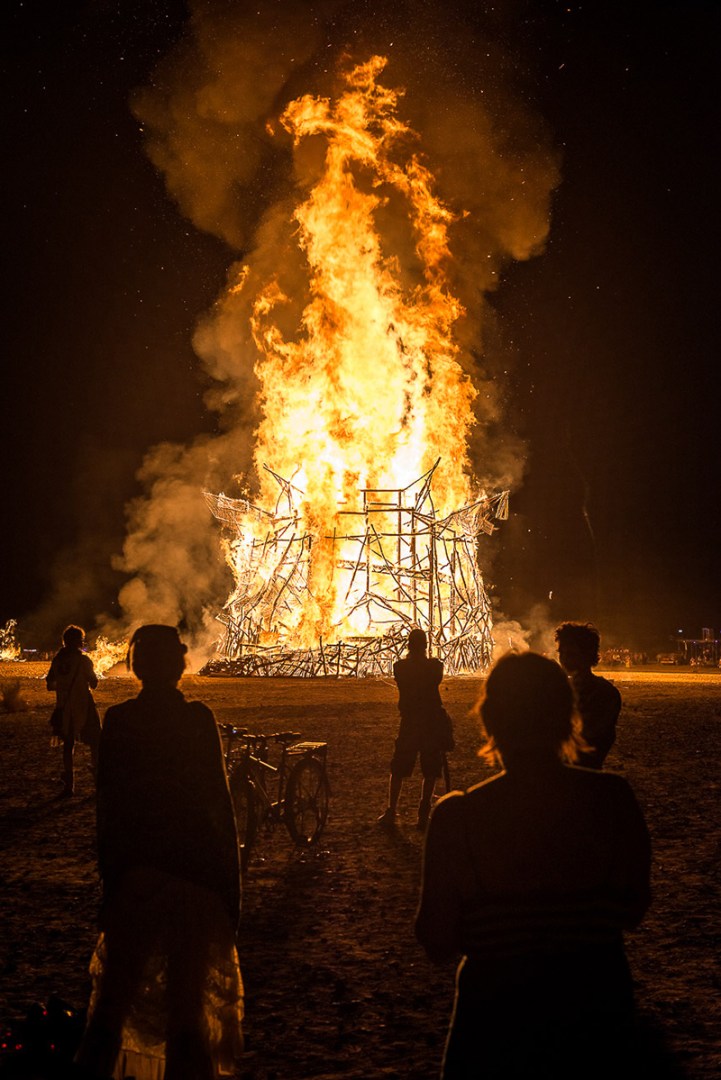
400 566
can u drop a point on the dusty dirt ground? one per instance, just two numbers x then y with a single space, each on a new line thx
336 985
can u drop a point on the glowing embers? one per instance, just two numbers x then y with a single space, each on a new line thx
341 600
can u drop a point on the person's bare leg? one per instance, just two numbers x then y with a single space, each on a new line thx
395 784
424 806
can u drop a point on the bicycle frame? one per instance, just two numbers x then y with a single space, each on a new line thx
294 792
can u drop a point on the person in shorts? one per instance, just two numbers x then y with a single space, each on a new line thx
418 678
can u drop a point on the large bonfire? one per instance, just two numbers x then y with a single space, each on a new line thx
367 517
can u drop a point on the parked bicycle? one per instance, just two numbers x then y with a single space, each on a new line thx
295 791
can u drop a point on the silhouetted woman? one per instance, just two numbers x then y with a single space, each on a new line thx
532 876
167 991
73 679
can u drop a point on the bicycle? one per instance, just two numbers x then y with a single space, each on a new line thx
295 791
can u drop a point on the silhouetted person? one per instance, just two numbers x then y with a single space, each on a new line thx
166 978
73 677
532 876
599 702
418 678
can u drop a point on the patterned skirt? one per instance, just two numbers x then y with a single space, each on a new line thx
167 992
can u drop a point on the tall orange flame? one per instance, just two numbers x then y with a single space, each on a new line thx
371 393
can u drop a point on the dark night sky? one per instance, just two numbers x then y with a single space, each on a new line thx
614 327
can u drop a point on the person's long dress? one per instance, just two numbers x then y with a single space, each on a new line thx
167 991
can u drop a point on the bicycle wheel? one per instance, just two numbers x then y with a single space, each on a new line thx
245 806
306 801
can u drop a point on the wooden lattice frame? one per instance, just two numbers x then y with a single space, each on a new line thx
431 562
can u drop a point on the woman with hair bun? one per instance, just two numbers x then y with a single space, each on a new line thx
167 992
532 877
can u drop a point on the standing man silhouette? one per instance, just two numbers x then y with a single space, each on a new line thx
418 678
599 702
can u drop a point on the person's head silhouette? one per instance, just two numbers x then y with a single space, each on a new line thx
417 642
73 637
578 647
528 708
156 654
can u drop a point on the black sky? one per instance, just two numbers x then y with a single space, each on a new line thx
614 328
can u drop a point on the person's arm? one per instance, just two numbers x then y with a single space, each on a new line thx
224 840
599 719
90 673
438 918
52 676
111 793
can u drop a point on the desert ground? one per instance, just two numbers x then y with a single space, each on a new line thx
336 985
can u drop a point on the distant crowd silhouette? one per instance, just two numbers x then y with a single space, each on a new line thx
529 879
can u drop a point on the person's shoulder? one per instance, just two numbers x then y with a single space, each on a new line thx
123 708
609 784
120 713
200 712
448 810
455 802
400 668
487 791
605 686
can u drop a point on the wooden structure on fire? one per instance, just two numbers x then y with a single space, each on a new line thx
398 564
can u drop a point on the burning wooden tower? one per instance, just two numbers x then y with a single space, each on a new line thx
396 564
362 386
